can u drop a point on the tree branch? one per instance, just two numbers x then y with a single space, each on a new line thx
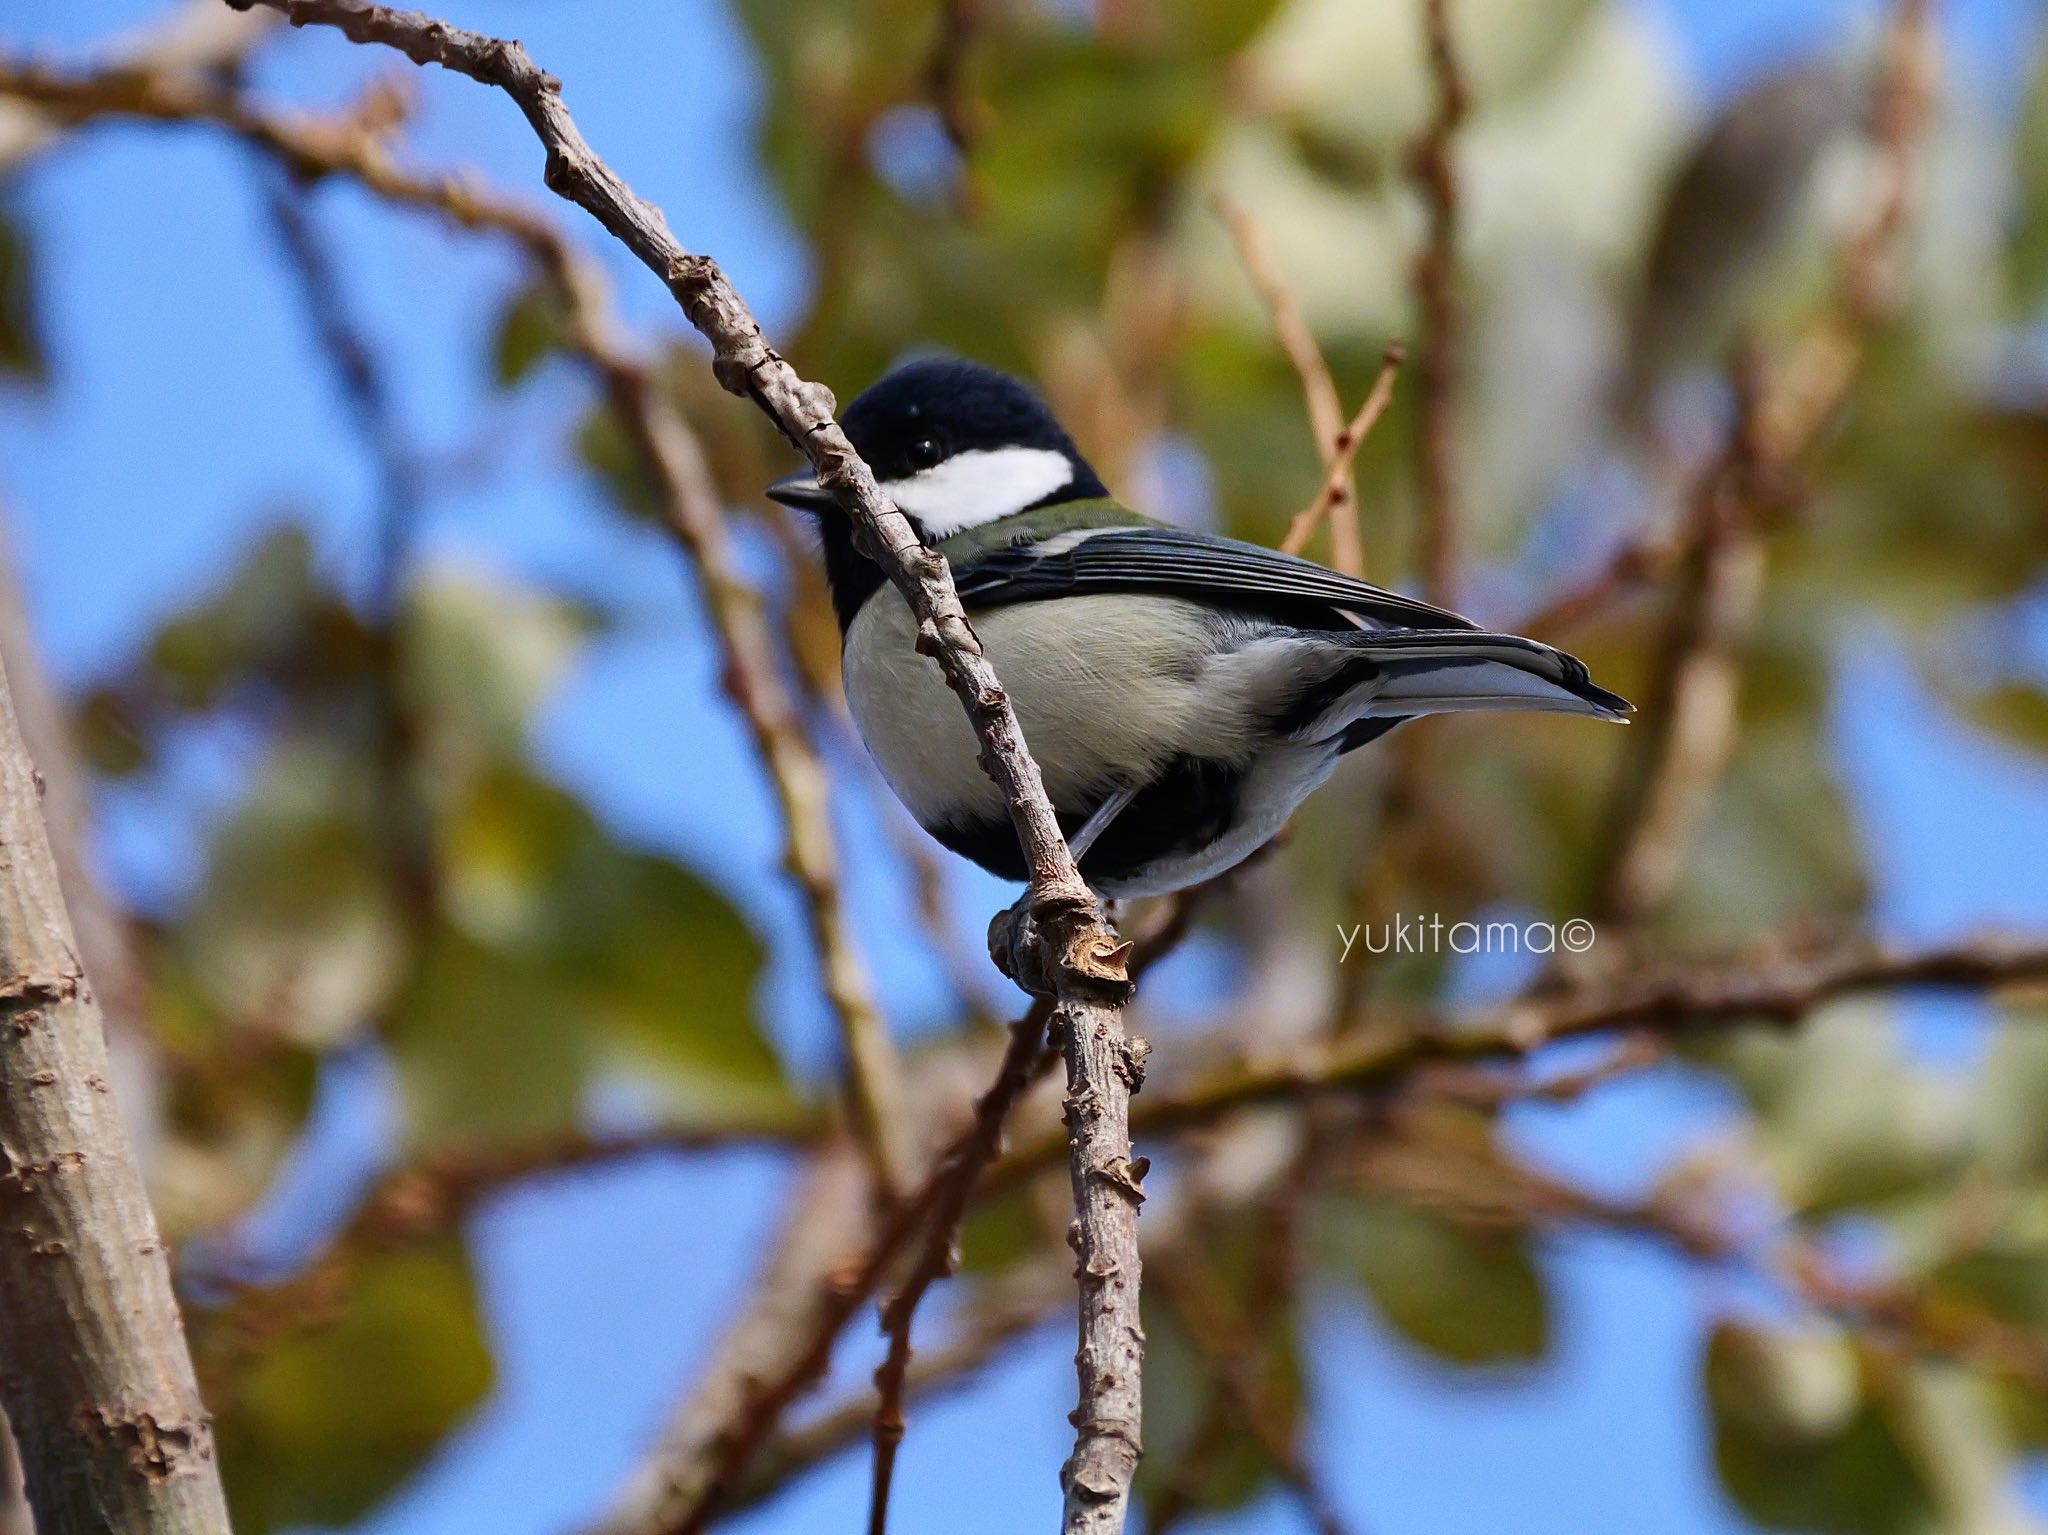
1436 291
1336 500
1745 988
708 1451
1318 389
97 1377
1062 947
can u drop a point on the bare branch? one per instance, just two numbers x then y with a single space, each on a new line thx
1436 291
1337 498
98 1380
691 1475
1743 988
1690 725
997 1316
1669 781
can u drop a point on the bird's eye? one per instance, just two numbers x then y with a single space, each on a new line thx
924 453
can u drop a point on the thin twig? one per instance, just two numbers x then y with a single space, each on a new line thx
1318 385
433 1196
1436 291
680 1492
1227 1339
940 1253
1336 499
997 1316
1690 723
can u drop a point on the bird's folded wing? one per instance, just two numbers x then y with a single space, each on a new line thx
1170 562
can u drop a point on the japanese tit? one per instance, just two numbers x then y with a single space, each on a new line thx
1182 693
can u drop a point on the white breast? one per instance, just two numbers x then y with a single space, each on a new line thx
1107 688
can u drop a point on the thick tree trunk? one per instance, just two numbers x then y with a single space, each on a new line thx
94 1370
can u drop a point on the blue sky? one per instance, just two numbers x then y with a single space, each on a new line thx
190 410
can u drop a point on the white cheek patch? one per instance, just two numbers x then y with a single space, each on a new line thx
976 487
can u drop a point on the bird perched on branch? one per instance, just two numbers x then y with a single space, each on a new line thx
1182 693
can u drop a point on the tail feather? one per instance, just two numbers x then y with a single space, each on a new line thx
1397 674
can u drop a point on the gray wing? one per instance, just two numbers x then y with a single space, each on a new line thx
1170 562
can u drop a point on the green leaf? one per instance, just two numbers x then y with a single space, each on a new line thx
1467 1295
569 956
530 330
328 1421
1798 1443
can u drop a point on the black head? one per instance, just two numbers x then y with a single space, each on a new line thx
955 445
927 411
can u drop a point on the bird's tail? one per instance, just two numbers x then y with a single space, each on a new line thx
1395 674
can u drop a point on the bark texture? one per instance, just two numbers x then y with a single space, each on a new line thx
94 1371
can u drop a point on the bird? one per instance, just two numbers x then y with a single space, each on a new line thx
1182 693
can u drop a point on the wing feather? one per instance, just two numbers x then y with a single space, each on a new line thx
1171 562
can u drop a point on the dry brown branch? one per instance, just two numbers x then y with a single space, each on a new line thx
1058 945
1436 291
937 1258
691 1475
999 1315
1318 386
1633 569
1745 987
688 503
1337 492
362 389
1816 380
98 1380
196 40
433 1196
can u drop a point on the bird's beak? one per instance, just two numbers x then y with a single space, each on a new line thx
802 491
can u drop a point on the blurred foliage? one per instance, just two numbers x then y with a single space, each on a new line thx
323 1424
394 869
